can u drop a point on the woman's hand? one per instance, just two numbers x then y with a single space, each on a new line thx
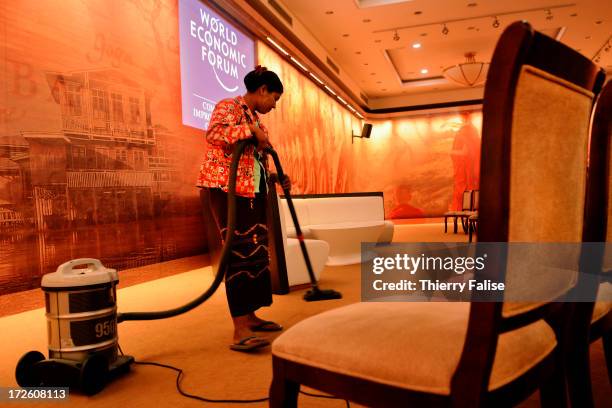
260 135
286 182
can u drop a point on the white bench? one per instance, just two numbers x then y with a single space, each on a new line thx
344 221
318 251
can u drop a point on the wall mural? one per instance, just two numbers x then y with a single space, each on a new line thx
94 160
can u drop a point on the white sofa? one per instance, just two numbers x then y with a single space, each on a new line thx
318 251
343 220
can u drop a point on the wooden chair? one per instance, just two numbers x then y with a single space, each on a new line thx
538 100
472 218
466 206
578 371
472 225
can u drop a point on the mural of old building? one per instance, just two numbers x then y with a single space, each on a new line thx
106 184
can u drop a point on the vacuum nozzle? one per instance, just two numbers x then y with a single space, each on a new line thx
317 294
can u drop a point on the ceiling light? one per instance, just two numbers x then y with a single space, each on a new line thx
329 90
345 35
444 29
299 64
329 12
549 15
315 78
495 22
366 20
424 71
396 36
416 13
472 4
416 45
341 100
469 73
277 46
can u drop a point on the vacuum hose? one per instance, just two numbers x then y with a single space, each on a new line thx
314 294
223 258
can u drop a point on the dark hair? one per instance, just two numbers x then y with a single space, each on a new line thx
261 76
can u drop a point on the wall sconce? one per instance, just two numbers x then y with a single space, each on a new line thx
365 132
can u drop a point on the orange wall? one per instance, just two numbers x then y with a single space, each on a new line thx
73 184
410 159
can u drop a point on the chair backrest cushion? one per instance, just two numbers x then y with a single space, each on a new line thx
548 161
332 210
466 203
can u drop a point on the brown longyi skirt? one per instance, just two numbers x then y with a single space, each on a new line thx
247 274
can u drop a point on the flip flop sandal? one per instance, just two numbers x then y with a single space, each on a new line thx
246 344
267 326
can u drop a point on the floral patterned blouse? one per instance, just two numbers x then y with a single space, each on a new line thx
229 123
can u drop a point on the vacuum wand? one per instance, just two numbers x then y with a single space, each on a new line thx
315 293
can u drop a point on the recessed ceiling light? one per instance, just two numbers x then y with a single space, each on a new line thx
384 89
472 4
358 52
416 45
424 71
588 37
574 15
372 73
598 22
379 82
298 63
365 63
423 34
366 20
471 28
345 35
377 41
277 46
416 13
329 12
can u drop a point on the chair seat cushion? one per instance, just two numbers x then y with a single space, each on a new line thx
411 345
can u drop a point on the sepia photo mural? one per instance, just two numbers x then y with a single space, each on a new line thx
96 162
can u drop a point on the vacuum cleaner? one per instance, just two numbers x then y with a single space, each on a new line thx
82 318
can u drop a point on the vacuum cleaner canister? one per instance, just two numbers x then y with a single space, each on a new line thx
81 310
